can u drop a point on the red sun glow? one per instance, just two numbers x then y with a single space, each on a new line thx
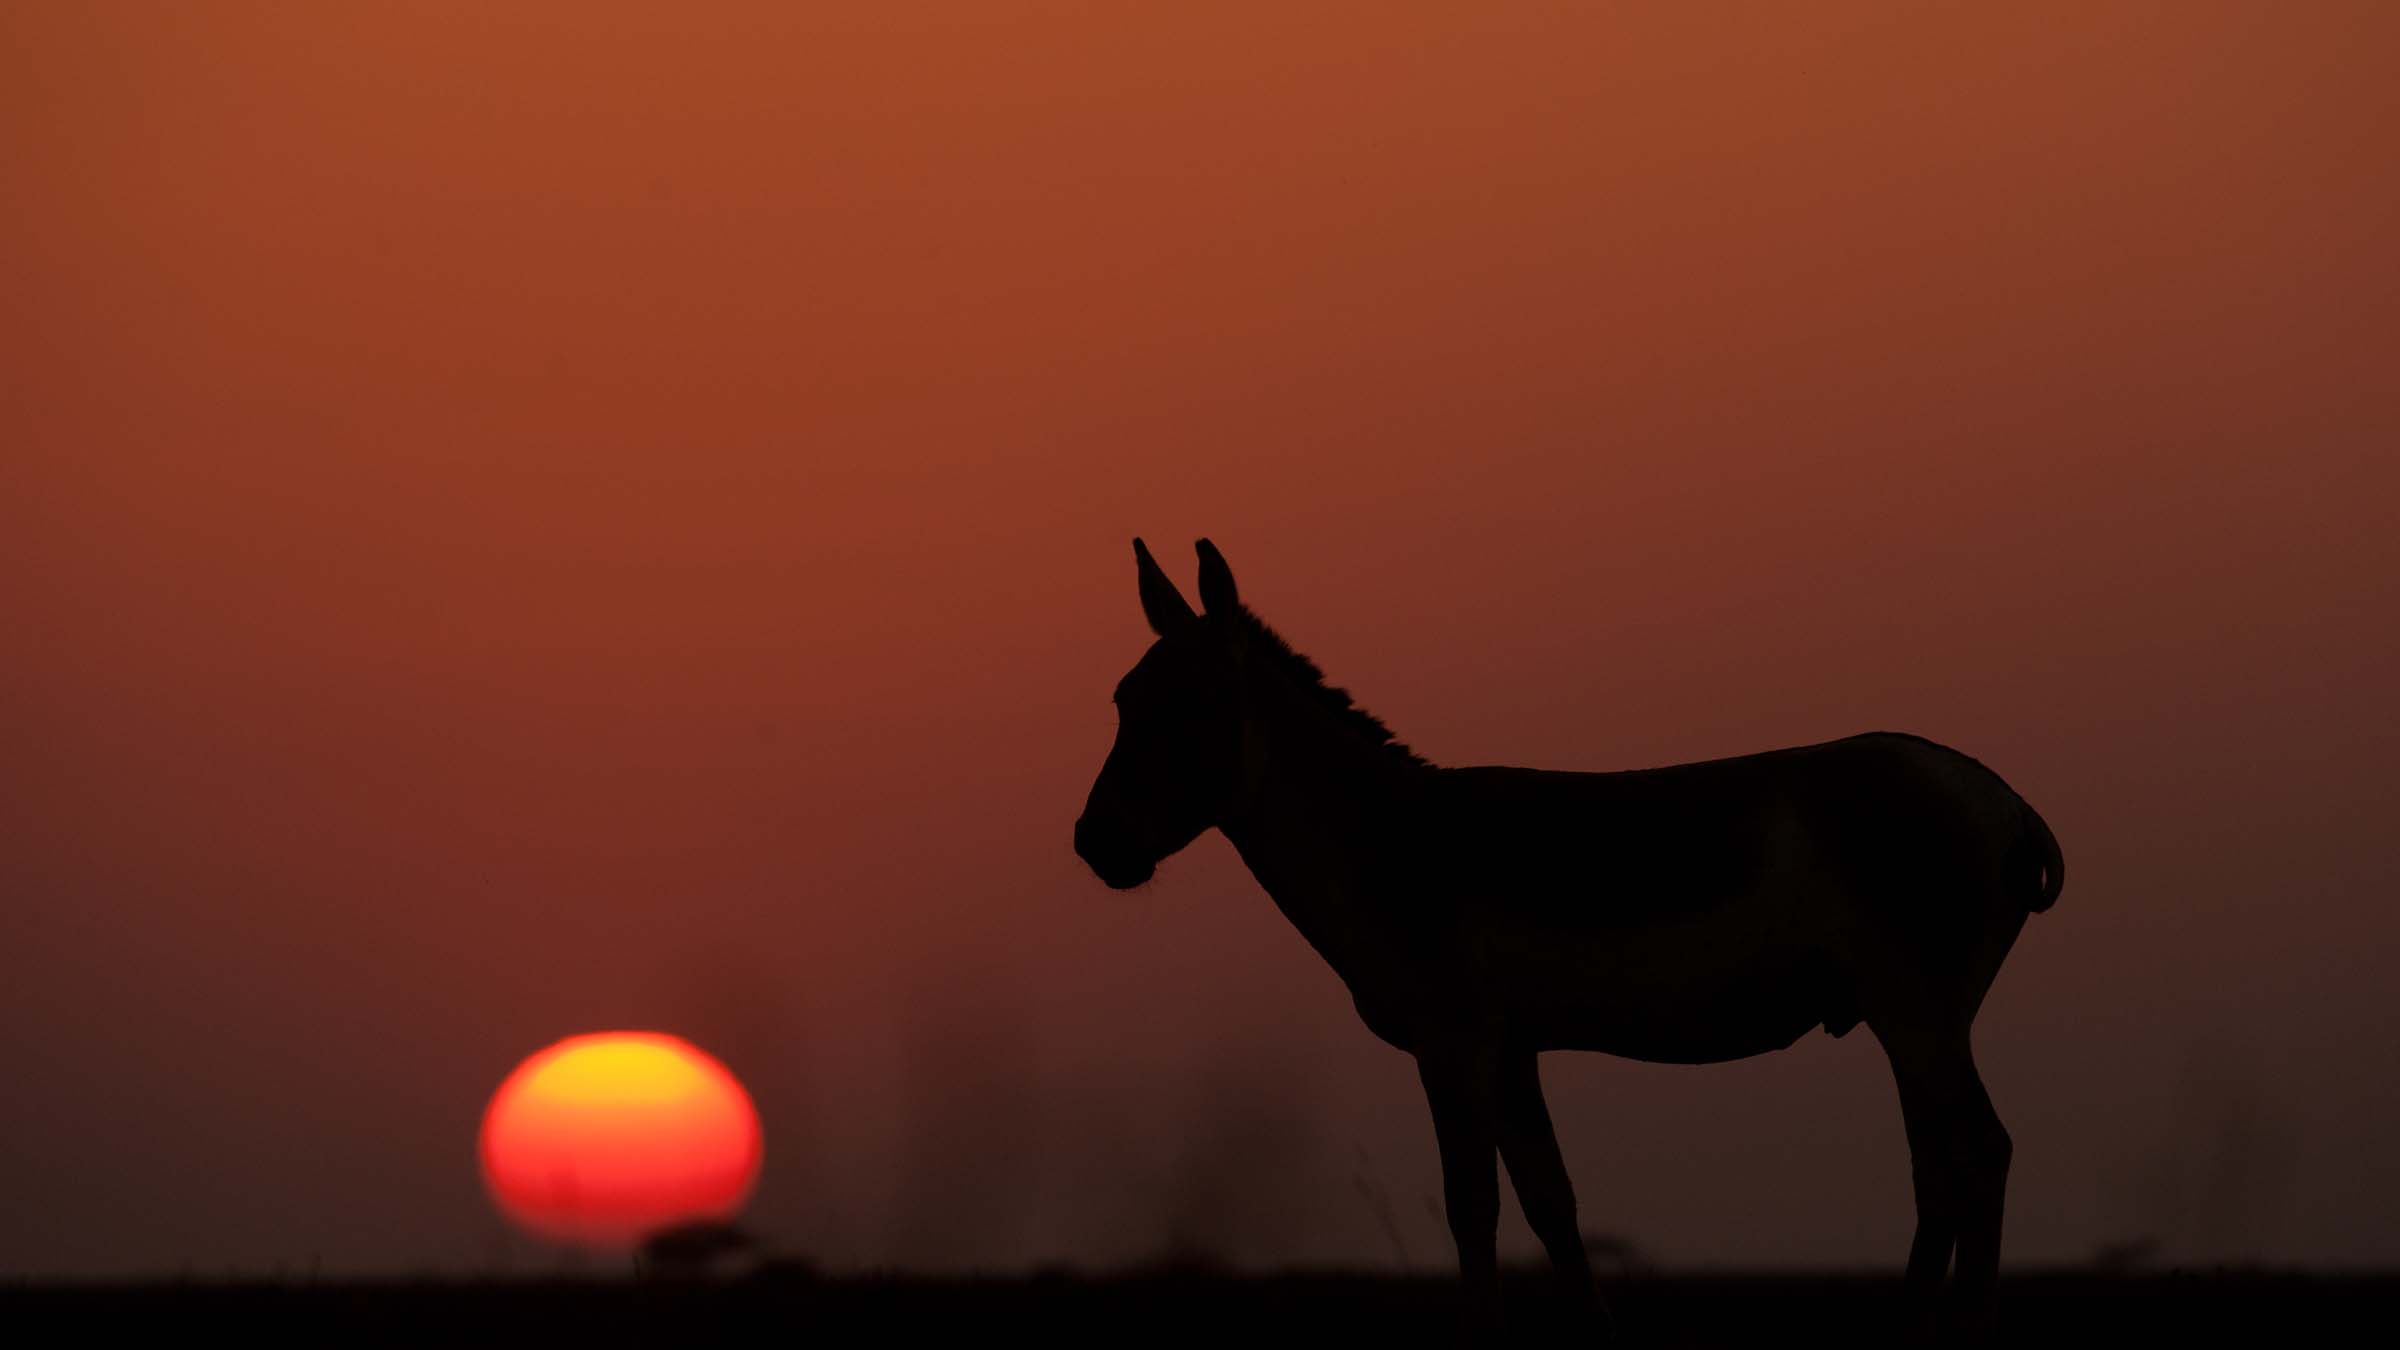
603 1138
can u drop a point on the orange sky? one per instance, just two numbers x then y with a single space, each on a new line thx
591 516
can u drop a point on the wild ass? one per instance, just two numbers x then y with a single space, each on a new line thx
1689 914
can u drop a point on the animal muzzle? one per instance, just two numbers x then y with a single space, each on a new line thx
1111 856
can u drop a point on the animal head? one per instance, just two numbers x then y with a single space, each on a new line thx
1176 762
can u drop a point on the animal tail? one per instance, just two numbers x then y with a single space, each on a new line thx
2048 868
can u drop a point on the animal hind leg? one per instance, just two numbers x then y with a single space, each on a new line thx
1529 1146
1937 1207
1984 1151
1958 1155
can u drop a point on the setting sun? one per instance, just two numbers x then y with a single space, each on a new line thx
602 1138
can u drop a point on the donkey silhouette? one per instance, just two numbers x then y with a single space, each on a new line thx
1690 914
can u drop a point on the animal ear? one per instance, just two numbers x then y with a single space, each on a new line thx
1162 604
1217 596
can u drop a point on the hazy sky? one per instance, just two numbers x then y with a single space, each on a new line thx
527 519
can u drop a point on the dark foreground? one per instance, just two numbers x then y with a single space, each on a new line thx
777 1307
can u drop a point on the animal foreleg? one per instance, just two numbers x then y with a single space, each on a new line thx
1459 1086
1529 1146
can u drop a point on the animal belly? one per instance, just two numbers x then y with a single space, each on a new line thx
1647 1006
1689 1039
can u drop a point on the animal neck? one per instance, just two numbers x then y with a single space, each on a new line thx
1309 818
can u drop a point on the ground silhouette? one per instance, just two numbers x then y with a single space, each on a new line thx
776 1306
1689 914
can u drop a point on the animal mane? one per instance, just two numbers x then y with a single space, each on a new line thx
1305 674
